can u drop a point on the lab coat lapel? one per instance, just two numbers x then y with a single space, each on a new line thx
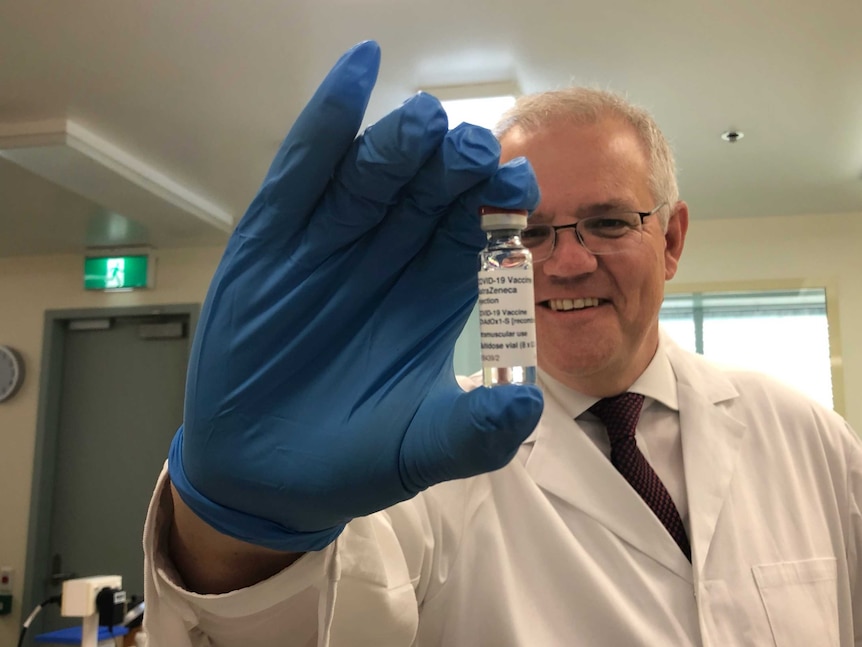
711 440
566 463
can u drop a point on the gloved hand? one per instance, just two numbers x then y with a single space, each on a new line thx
320 384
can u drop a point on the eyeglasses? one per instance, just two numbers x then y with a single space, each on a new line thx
608 233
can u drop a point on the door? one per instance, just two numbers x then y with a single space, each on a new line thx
121 386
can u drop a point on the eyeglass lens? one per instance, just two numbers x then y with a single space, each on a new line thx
606 234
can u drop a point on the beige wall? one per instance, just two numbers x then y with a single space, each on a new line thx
29 287
811 250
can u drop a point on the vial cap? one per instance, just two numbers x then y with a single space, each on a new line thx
494 218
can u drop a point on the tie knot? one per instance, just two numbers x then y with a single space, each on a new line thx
619 414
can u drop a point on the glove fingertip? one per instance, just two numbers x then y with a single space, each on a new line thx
352 78
366 58
501 418
513 409
481 433
513 186
472 147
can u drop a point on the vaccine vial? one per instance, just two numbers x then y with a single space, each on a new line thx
507 322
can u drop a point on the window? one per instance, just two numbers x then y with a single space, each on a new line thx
784 333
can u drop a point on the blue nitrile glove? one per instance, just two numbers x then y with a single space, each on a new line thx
320 384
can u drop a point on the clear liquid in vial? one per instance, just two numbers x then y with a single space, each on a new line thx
499 375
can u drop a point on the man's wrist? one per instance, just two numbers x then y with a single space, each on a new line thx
211 562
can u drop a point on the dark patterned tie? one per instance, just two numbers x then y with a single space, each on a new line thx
620 415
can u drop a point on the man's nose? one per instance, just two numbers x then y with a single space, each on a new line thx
570 257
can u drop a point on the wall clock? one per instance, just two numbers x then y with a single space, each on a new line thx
11 372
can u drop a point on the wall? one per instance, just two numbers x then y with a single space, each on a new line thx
29 287
813 250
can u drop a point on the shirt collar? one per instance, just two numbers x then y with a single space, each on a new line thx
657 383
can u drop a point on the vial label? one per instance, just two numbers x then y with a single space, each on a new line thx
507 325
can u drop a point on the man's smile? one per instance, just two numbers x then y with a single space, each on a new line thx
563 305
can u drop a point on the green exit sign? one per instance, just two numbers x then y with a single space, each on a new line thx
116 272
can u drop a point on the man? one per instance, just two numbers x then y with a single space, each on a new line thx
332 485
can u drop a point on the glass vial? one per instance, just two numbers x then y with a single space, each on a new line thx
507 323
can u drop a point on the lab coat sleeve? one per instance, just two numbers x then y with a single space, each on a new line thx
361 590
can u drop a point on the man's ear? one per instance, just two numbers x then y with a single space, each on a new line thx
677 227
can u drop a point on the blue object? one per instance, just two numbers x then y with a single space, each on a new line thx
72 635
320 385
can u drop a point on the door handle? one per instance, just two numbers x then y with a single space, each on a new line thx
57 577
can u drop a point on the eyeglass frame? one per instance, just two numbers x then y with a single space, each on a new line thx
556 228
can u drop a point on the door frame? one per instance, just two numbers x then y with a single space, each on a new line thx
38 559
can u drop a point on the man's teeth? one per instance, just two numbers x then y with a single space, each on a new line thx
572 304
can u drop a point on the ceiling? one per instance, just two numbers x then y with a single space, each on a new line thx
153 122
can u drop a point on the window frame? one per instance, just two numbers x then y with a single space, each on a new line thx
830 288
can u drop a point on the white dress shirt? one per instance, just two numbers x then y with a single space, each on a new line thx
658 432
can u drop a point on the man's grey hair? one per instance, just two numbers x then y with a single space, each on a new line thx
587 106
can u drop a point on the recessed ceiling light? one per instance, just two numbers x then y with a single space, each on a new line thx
485 112
481 104
732 136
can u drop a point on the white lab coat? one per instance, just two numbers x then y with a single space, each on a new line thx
560 551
